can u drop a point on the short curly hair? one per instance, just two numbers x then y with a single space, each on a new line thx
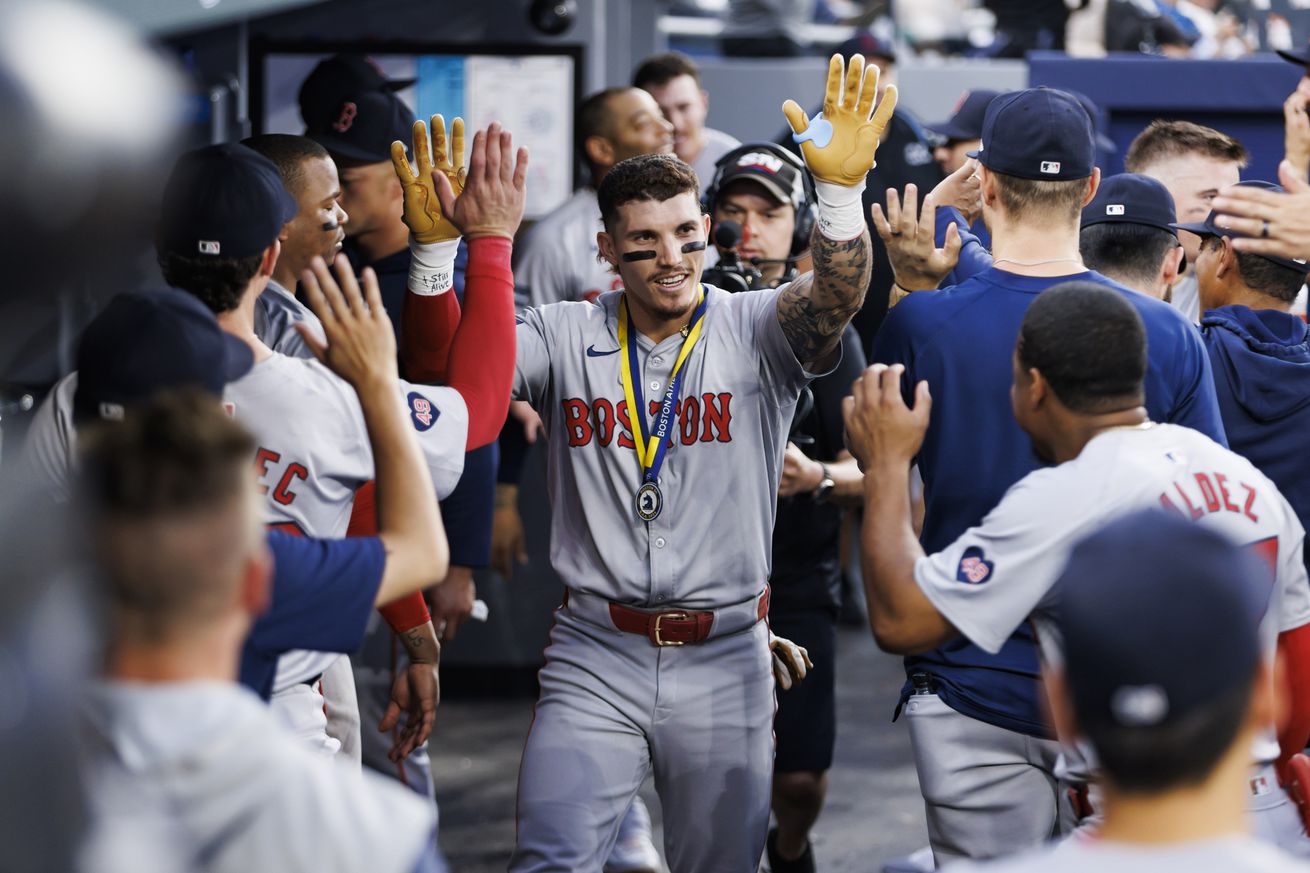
645 177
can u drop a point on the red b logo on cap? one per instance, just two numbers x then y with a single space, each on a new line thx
347 118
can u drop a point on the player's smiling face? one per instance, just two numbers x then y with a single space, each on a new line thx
663 287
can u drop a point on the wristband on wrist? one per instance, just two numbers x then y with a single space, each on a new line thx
841 210
406 613
432 267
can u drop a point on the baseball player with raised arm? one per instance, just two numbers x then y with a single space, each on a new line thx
323 590
667 406
1079 369
223 249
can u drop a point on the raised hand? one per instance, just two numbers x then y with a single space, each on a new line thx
839 143
910 238
879 426
423 212
494 194
961 189
1296 133
1274 222
360 343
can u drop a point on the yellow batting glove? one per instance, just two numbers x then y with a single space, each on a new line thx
422 206
839 142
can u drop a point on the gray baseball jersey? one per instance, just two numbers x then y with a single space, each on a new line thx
50 446
613 706
710 545
1231 854
1004 571
559 260
207 764
277 312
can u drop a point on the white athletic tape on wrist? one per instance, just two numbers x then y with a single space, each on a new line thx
841 210
432 267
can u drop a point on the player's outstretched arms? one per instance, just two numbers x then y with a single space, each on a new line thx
885 435
488 211
1274 223
838 145
360 347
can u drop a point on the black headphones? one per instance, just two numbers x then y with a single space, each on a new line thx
806 214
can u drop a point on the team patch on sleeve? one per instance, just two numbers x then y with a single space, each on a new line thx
422 412
974 567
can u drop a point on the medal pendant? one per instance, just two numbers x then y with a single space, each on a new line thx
649 501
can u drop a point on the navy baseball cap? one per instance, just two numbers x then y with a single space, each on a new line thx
1103 142
364 125
334 79
1130 198
144 342
1301 58
223 201
865 43
1158 615
966 120
1209 228
764 164
1037 133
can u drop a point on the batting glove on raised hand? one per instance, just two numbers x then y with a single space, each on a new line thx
839 142
423 215
790 661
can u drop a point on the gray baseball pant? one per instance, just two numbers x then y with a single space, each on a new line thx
613 708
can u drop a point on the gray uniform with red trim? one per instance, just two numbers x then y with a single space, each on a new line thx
613 705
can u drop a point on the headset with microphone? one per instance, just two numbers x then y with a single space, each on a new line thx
762 161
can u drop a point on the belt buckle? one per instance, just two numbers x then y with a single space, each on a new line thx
659 620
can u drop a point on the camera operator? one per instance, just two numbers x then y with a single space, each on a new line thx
761 202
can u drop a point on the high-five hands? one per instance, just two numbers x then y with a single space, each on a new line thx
839 143
910 237
879 426
423 214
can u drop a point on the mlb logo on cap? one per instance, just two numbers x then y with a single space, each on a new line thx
1051 167
209 246
1114 209
762 160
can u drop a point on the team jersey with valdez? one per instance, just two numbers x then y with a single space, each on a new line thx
1235 854
559 260
961 340
1261 362
205 764
710 545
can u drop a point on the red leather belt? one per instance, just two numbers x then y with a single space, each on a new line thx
676 627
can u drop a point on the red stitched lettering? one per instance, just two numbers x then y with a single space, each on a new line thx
1250 501
263 457
717 417
602 411
575 422
1222 481
1208 492
283 493
689 419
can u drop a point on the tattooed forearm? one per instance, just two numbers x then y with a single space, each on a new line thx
815 309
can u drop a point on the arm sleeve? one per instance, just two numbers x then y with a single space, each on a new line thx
440 417
482 353
323 593
1294 646
427 329
974 257
995 575
467 511
1198 404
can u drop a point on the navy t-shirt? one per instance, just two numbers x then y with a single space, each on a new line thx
322 597
961 339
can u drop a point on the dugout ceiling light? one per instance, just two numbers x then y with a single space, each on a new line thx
553 17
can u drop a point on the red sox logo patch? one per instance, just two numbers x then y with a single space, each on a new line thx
421 410
974 567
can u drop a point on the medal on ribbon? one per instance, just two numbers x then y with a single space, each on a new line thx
652 440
